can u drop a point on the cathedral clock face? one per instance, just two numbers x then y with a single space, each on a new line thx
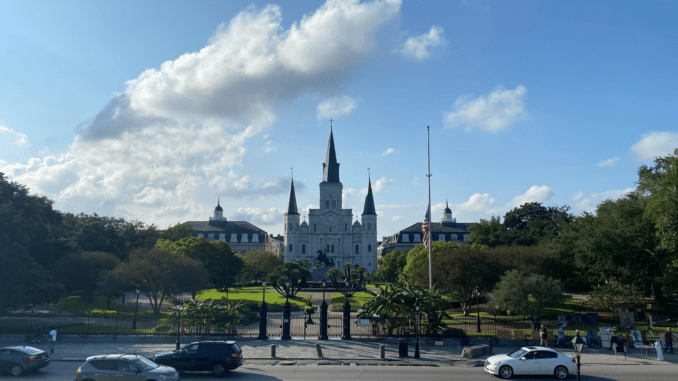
331 218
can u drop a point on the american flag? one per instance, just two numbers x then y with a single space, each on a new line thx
425 230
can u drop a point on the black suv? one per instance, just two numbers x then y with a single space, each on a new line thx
217 357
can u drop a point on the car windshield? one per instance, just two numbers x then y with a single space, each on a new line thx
518 354
144 363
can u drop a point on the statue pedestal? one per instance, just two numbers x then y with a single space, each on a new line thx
317 275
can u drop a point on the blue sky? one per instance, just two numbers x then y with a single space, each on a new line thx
151 110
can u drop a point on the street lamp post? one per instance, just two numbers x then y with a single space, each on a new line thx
134 322
323 315
263 313
347 310
179 308
578 344
478 306
416 343
287 312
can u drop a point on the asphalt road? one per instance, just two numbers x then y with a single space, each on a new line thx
58 371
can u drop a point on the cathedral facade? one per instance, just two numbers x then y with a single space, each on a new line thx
331 229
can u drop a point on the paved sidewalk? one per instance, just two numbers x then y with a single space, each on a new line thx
357 351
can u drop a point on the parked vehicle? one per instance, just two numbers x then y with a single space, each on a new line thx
23 359
217 357
532 361
124 367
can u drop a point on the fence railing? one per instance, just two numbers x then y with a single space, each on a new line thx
147 323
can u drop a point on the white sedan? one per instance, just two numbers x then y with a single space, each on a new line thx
532 361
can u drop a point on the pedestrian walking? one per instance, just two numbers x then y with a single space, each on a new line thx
52 339
668 338
542 337
562 343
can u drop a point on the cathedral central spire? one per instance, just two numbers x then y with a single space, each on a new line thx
330 166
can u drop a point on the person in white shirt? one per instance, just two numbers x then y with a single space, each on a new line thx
562 343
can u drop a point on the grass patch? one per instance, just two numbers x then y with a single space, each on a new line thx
75 305
356 301
253 295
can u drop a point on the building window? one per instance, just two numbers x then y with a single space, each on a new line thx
291 226
255 237
303 248
234 237
345 227
290 247
327 204
332 247
222 237
454 236
369 226
406 237
334 204
330 229
201 235
244 237
417 238
357 249
328 249
315 227
369 248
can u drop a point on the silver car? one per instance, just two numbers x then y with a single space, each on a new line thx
124 368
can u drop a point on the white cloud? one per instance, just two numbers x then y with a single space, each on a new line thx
589 203
16 138
609 162
258 216
335 107
655 144
397 218
179 128
417 47
380 184
387 152
534 194
500 110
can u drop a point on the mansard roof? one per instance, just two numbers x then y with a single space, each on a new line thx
225 227
437 227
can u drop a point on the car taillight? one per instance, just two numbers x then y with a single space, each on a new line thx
574 361
235 354
30 358
78 372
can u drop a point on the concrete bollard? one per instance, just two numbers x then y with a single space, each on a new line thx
319 350
272 350
382 351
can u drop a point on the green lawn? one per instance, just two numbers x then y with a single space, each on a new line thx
253 294
74 304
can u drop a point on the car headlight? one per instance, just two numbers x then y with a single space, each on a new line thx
167 376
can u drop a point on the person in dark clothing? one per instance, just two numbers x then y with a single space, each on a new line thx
668 338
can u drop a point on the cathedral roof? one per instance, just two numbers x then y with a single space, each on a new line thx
369 200
292 205
218 208
330 166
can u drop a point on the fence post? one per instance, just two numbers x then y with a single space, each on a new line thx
89 313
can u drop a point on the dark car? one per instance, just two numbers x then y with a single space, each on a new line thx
18 360
123 367
217 357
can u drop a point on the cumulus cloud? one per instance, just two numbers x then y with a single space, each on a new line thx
496 112
235 186
388 152
258 216
534 194
334 107
589 203
380 184
482 205
609 162
655 144
150 149
418 47
397 218
11 137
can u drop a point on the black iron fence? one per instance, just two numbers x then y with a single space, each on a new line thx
301 325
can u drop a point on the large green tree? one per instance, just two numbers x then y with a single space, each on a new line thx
82 271
391 265
458 270
296 271
259 263
518 293
222 264
159 273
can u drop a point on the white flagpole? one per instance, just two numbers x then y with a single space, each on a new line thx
430 259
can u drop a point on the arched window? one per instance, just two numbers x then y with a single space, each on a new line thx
327 204
332 247
315 227
369 248
345 227
330 229
328 249
290 247
303 248
357 249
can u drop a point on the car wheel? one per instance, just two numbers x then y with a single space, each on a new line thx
561 372
505 371
219 370
17 370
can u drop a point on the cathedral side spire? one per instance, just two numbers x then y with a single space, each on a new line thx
369 200
292 205
330 166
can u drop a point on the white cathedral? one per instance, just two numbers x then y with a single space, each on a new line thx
332 228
